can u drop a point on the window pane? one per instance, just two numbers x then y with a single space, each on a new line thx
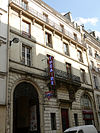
66 49
26 55
25 27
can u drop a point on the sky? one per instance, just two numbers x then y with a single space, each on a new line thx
85 12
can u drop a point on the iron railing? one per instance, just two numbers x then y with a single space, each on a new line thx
62 75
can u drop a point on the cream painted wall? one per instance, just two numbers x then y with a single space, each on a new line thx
3 56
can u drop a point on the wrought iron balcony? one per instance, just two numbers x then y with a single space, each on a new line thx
63 76
46 20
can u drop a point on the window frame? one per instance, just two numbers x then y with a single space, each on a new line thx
24 32
48 39
45 17
80 58
68 69
75 37
90 51
66 46
83 76
26 60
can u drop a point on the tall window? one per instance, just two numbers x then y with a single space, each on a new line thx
68 68
76 119
53 121
26 28
45 16
62 28
66 49
75 37
83 75
95 82
79 53
90 51
26 55
85 101
48 39
92 64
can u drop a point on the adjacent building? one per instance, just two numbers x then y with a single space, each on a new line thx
3 62
49 76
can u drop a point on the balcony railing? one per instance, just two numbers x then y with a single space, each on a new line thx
47 20
63 76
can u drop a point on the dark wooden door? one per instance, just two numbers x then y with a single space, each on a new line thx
65 119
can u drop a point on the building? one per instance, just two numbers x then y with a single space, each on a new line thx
3 62
93 47
49 82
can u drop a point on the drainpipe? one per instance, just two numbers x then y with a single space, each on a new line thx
7 127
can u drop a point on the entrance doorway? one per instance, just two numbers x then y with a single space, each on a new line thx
65 119
26 116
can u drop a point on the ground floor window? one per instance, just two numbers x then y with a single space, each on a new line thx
88 117
53 121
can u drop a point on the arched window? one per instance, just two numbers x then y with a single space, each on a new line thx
85 101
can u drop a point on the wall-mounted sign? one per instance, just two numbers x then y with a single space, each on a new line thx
51 70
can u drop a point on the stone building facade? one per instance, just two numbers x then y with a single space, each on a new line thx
49 81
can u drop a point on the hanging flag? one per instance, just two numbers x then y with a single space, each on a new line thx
48 94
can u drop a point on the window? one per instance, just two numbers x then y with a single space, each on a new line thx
85 101
66 49
76 119
92 64
45 16
98 102
48 39
82 75
26 55
95 82
79 56
62 27
53 121
75 37
25 28
90 51
24 4
68 68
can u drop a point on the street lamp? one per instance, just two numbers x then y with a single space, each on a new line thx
15 40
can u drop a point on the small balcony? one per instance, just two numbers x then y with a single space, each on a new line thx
64 77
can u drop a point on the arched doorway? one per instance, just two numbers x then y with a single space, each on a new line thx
87 110
26 116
